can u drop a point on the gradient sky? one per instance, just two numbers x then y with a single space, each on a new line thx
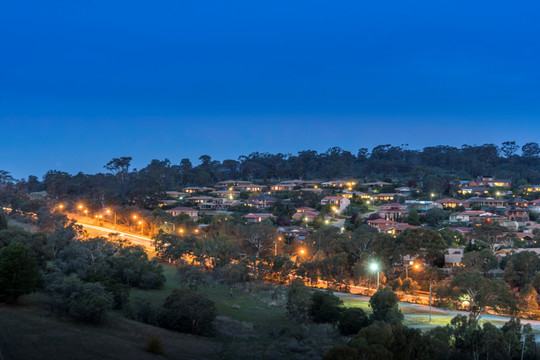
84 81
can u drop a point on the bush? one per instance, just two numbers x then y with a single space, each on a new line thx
190 312
82 302
351 320
298 301
191 276
18 272
385 306
325 307
154 345
142 310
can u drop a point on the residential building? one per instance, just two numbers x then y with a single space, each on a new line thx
527 189
258 217
192 213
261 201
451 203
393 211
518 214
534 205
339 203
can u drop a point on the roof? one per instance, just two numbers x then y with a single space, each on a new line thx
257 215
263 197
183 208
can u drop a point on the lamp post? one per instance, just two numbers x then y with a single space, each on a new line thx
411 263
114 217
375 267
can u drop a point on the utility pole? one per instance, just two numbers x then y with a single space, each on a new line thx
430 300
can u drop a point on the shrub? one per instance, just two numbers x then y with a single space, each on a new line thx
298 301
154 345
351 320
81 302
325 307
188 311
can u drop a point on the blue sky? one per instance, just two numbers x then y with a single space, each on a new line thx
84 81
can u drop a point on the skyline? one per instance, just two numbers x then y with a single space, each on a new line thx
85 82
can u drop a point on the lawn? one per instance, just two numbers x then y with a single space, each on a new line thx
261 306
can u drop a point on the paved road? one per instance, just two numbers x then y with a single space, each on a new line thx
135 239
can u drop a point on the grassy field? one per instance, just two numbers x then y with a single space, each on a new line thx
31 333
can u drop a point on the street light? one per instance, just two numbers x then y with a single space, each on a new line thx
375 267
114 215
61 206
417 266
411 263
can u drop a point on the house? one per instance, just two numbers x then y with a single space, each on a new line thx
421 206
295 231
192 213
338 203
230 194
199 199
490 181
466 216
197 189
384 197
283 187
518 214
230 183
453 258
250 187
175 194
534 205
393 211
527 189
405 191
339 183
306 214
488 202
376 184
261 201
519 202
258 217
451 203
476 190
390 226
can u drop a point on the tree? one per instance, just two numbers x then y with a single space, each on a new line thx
527 299
487 236
119 167
481 292
298 301
427 244
385 306
351 320
482 261
325 307
18 272
509 148
435 216
521 268
530 150
3 222
191 276
188 311
413 218
83 302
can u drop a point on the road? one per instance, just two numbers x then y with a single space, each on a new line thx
147 242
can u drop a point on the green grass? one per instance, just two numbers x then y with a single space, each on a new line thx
256 306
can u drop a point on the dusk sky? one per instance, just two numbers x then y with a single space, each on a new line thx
82 82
